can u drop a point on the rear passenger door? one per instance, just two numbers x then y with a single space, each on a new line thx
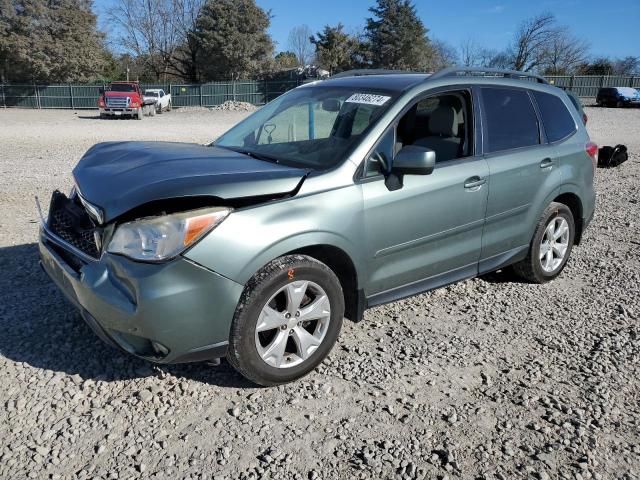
523 172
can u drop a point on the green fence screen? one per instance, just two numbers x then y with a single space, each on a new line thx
257 92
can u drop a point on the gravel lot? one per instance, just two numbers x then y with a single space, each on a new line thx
486 379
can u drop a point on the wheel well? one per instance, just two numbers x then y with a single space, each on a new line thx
572 201
341 264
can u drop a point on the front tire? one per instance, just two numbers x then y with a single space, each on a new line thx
550 247
287 320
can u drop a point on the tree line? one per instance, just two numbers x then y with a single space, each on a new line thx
207 40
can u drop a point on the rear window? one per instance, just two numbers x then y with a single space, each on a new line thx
558 122
511 119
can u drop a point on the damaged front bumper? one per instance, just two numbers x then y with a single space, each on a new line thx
174 312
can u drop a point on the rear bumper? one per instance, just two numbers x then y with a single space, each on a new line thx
174 312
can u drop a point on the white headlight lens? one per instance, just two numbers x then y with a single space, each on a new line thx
161 238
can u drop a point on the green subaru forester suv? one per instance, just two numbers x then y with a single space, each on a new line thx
337 196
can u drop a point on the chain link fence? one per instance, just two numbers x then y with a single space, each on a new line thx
257 92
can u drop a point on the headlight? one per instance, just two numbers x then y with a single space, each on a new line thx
161 238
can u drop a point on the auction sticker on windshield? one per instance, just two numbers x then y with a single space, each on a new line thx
368 99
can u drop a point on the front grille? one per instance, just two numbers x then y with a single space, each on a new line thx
70 221
118 102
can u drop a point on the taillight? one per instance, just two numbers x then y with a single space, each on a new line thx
592 150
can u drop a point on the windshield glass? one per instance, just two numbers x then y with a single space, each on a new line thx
121 87
315 126
149 93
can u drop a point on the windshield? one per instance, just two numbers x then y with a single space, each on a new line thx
122 87
628 91
314 126
149 93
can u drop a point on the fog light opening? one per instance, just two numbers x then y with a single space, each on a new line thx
159 348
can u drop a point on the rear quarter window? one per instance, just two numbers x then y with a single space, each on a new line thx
556 119
511 119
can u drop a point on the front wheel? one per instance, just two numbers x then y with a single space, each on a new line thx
169 106
551 245
287 320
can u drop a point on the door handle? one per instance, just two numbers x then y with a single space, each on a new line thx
474 182
546 163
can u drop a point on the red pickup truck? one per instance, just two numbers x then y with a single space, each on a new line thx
125 99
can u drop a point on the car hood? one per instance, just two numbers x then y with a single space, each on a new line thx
119 176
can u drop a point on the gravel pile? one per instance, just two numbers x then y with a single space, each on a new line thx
486 379
232 106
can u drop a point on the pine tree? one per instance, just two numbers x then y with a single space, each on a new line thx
50 41
397 38
336 50
233 39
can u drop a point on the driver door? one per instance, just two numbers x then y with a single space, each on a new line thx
428 232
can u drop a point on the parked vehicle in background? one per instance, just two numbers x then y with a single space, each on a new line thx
125 99
162 100
617 97
337 196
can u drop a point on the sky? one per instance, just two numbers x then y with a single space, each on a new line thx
611 28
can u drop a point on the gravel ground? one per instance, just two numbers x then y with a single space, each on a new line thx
486 379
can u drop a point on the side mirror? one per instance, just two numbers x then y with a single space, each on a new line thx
414 160
331 105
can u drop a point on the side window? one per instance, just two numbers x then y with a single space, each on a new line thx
558 122
379 162
511 119
442 123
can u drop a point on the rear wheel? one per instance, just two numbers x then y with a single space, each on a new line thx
551 245
169 106
619 104
287 320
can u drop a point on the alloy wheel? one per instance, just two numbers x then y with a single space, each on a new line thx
292 324
554 244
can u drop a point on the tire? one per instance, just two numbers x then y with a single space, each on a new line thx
159 109
619 104
249 351
532 268
140 113
169 106
152 111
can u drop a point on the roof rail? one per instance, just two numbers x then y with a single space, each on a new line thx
486 72
372 71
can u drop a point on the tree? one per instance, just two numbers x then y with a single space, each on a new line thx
563 53
531 42
300 44
474 55
233 37
627 66
50 41
396 37
444 55
286 60
599 66
336 50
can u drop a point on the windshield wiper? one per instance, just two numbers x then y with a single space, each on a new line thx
252 154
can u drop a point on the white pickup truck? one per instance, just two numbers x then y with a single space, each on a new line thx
162 99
